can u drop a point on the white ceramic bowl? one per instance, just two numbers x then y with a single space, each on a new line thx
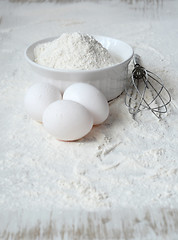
110 80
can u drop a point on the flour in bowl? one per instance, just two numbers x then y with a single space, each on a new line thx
73 51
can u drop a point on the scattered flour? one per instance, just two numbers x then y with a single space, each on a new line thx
122 164
73 51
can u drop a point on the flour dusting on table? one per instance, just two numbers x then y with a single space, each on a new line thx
121 163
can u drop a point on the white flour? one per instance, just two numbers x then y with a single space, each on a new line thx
73 51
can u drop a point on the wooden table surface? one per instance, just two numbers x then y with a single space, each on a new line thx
31 20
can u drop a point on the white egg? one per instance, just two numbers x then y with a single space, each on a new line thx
38 97
91 98
67 120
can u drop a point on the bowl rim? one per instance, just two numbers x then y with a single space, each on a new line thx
58 70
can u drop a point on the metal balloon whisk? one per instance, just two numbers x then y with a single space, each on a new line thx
146 91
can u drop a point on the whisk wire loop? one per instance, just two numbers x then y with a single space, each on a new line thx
143 86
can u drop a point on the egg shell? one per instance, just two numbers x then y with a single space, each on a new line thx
38 97
91 98
67 120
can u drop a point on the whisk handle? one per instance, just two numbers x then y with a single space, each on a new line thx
136 59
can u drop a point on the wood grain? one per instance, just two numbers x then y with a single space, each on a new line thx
123 224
